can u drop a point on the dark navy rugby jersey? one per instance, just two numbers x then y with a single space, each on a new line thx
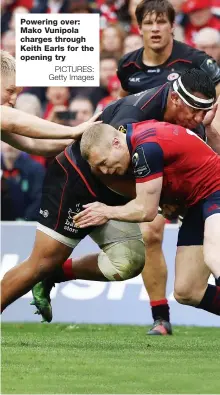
135 76
143 106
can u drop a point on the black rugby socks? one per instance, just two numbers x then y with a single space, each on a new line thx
211 300
160 310
217 281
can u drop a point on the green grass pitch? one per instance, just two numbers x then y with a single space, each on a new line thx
105 359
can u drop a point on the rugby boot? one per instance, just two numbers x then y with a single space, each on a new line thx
41 299
160 327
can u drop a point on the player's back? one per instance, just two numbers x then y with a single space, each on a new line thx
148 104
191 167
190 164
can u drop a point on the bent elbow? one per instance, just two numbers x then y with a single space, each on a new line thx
150 215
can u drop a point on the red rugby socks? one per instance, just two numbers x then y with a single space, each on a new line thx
68 270
63 273
160 310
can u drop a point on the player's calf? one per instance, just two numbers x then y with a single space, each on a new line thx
154 275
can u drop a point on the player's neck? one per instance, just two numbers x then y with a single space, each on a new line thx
169 114
156 58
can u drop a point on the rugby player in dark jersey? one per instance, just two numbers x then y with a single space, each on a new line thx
161 59
122 254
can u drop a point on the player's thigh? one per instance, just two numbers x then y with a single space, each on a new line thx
48 252
211 215
115 231
123 252
63 194
152 232
212 237
191 273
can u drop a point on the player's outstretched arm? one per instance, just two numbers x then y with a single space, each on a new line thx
35 146
21 123
142 209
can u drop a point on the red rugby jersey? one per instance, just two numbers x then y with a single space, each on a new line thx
190 168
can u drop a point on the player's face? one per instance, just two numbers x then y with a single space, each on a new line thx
110 160
156 30
187 116
9 92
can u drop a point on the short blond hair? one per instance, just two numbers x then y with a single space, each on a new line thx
8 64
95 136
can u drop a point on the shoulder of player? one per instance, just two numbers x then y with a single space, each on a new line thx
130 59
187 53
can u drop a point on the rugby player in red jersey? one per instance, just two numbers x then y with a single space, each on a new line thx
160 60
173 166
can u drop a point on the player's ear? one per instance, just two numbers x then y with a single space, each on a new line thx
116 142
140 30
175 98
173 28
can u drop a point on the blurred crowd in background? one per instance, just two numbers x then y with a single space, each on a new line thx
197 24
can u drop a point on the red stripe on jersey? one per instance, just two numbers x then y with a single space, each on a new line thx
63 191
148 178
128 64
179 60
143 138
79 172
159 90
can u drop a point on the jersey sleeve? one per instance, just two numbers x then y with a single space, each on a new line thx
127 115
209 65
147 162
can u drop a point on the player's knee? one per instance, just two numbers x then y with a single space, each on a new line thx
152 234
121 261
188 295
211 256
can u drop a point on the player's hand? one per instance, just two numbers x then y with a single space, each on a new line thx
80 129
210 115
171 211
94 214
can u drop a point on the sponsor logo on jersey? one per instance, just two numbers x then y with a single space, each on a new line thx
172 76
69 223
135 159
153 70
213 207
45 213
134 79
122 129
141 167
